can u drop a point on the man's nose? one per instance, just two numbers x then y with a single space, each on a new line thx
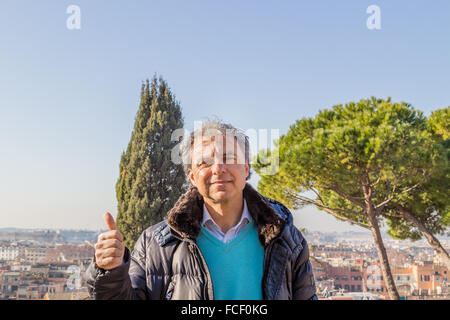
218 168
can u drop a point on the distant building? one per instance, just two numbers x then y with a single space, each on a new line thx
67 252
9 284
33 254
79 295
348 278
9 253
32 292
431 278
421 278
17 266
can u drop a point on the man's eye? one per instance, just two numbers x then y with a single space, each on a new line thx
230 158
204 162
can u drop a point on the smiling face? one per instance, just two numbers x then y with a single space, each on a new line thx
218 168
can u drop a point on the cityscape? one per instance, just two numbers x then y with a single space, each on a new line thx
50 265
44 264
346 267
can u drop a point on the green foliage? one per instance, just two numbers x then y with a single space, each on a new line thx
149 182
384 146
439 123
402 229
430 202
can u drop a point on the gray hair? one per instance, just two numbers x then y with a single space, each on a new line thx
221 128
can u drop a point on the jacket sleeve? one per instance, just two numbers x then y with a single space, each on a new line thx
125 282
303 286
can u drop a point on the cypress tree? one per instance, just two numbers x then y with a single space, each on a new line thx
149 183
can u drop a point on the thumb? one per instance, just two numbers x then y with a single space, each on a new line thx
109 220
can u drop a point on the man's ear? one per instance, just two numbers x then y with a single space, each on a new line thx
191 177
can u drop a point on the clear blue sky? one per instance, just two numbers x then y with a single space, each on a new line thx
68 98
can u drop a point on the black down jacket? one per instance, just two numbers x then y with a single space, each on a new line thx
166 262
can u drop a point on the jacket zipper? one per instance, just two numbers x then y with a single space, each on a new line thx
266 261
199 257
202 263
266 267
205 286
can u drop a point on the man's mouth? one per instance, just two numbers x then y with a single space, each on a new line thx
220 182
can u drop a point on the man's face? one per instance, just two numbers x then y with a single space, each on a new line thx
218 167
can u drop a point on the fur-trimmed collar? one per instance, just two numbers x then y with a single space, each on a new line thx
186 215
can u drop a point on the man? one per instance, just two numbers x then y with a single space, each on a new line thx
221 240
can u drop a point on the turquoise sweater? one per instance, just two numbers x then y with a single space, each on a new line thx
236 267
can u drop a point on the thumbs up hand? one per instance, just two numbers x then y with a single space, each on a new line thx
109 249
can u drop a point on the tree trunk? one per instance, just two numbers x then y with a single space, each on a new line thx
432 240
381 250
384 262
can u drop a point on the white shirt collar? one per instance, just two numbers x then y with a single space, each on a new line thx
245 217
